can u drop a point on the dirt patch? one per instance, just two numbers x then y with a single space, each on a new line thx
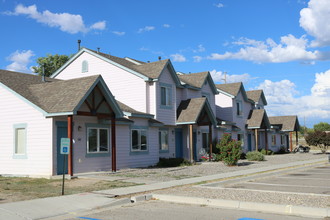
18 188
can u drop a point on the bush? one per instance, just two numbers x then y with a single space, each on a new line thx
269 152
172 162
320 139
255 156
243 156
230 150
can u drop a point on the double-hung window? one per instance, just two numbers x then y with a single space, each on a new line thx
163 140
20 141
97 140
139 140
165 95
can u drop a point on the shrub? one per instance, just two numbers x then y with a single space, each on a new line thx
320 139
255 156
172 162
230 150
269 152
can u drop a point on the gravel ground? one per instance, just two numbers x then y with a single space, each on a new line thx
208 168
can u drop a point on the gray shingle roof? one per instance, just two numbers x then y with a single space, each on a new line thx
194 79
287 123
230 88
258 119
151 70
255 95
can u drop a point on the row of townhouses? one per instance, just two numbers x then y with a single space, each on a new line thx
122 112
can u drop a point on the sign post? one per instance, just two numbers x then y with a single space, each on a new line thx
65 150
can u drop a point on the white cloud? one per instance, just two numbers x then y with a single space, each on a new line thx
178 58
289 49
197 59
219 77
200 48
146 29
118 33
315 20
66 22
20 60
219 5
166 25
282 98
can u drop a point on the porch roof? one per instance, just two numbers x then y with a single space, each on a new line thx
258 119
54 96
287 123
195 111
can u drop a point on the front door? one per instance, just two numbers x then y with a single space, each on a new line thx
62 132
178 143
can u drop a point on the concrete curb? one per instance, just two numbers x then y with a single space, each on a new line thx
248 206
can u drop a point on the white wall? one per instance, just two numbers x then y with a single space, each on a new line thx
38 161
126 87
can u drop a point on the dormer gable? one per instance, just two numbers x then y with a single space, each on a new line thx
232 90
197 80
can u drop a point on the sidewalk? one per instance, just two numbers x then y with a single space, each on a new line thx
57 206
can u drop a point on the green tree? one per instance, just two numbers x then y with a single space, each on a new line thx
230 150
305 130
322 126
51 63
320 139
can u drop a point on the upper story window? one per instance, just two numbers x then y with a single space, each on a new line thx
239 110
165 95
98 140
84 66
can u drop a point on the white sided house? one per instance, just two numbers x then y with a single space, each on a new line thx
155 89
37 112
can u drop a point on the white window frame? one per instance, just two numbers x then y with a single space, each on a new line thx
84 66
167 97
98 140
23 154
163 140
139 140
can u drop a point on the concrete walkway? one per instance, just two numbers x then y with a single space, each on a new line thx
57 206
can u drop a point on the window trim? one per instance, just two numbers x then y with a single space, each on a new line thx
84 66
168 93
98 153
15 128
160 139
239 113
139 129
273 139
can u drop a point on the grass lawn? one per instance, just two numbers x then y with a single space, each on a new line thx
22 188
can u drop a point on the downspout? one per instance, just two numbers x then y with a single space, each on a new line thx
113 144
70 164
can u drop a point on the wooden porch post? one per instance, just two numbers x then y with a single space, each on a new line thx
113 144
70 168
191 143
256 137
266 140
290 141
210 141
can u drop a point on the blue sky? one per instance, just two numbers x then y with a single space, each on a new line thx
281 46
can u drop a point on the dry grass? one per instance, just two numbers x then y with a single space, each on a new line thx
22 188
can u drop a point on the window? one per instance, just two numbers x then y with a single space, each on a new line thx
84 66
20 141
282 139
273 139
240 137
139 140
205 141
98 140
163 140
239 108
165 96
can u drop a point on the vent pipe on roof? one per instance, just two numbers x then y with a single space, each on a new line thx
79 41
43 73
159 57
98 50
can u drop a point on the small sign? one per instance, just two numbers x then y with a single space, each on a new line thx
65 145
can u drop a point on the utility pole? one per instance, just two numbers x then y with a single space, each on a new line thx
225 79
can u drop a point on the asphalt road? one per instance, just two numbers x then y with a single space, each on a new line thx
170 211
315 180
